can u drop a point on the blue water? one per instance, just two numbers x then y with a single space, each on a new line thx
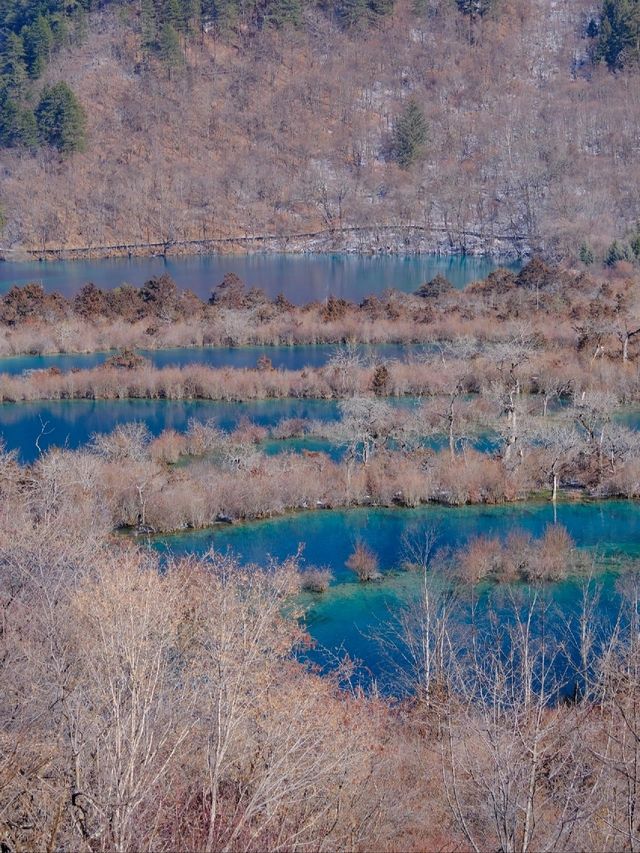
350 616
302 278
71 423
282 357
329 535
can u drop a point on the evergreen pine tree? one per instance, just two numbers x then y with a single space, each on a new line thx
170 49
352 13
191 15
38 43
586 254
619 41
61 119
223 12
148 25
172 15
13 71
618 252
280 13
409 135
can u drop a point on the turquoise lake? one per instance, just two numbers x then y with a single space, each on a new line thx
347 618
282 357
302 278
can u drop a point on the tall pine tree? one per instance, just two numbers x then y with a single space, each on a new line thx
61 119
619 40
409 135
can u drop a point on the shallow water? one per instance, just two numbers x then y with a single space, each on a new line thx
302 278
348 617
286 358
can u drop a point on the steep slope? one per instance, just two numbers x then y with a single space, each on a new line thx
530 145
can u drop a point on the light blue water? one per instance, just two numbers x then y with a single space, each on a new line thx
348 617
282 357
302 278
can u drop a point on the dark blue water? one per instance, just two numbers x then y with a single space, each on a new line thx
71 423
302 278
350 617
282 357
65 423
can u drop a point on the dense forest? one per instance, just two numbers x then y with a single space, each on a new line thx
492 125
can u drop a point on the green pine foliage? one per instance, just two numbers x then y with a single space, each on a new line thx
410 134
586 254
225 13
618 252
361 13
169 47
619 34
61 119
30 31
279 13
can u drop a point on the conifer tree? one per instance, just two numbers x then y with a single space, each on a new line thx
170 50
38 43
148 24
409 134
13 71
280 13
619 41
61 119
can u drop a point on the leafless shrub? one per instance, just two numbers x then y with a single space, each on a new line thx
364 562
315 579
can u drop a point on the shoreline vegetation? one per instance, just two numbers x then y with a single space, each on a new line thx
154 702
591 313
128 480
360 240
540 363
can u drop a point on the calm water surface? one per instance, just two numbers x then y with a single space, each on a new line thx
282 357
302 278
71 423
350 615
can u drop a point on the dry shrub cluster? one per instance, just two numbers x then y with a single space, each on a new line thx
148 709
577 318
424 378
114 492
128 479
518 558
163 710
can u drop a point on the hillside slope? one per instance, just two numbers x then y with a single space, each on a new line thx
529 146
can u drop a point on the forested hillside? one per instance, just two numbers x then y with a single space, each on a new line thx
502 125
